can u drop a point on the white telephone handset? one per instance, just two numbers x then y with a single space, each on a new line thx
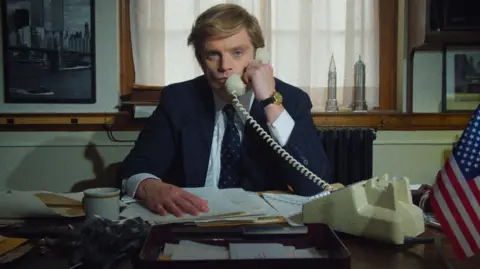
235 87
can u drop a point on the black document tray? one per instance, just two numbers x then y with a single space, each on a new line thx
319 235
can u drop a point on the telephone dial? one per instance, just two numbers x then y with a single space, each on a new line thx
377 208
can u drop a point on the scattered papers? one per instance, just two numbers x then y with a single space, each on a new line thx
27 204
245 251
13 248
189 250
223 204
287 205
18 204
7 244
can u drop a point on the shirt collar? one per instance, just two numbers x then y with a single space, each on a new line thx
246 101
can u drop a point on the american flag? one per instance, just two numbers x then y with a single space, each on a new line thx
455 195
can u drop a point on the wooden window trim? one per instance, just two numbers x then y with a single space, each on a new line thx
124 122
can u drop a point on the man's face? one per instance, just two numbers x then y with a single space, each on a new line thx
224 56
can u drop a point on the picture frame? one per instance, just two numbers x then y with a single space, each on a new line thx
49 51
461 78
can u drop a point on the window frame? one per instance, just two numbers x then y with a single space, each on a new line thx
387 63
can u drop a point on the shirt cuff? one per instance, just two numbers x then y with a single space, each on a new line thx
282 128
130 185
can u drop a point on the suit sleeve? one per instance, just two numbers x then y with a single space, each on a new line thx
305 145
153 150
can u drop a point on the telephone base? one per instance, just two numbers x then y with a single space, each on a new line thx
377 208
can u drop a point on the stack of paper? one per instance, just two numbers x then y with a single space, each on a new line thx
286 204
224 205
189 250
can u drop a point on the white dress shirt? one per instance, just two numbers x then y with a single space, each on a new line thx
280 130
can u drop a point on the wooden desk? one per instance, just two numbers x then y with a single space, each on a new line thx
365 254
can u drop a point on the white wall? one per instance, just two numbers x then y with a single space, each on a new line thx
427 82
60 161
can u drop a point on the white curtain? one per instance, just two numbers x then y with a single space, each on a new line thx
301 35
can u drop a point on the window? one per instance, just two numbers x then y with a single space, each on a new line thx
302 37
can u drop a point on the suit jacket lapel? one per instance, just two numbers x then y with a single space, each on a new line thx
197 136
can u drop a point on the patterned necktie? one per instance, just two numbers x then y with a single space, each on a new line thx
230 154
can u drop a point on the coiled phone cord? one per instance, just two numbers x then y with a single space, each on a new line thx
282 152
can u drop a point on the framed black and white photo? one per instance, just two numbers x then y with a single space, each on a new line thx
461 74
49 51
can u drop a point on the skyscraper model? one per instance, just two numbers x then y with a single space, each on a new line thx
359 103
332 104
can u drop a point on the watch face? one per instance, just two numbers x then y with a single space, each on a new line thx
278 97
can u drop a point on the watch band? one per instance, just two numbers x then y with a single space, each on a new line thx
266 102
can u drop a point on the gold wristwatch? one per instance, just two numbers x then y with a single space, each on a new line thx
276 98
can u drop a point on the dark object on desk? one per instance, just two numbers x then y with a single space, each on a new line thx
417 195
101 243
319 236
254 230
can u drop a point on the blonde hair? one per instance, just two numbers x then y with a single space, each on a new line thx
224 20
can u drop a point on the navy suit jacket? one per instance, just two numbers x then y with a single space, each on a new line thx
175 143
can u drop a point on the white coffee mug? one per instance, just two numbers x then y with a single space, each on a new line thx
103 202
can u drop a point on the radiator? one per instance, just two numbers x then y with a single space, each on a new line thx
350 152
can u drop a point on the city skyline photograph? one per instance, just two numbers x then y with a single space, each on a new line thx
49 51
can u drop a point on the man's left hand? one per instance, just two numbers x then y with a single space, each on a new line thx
260 77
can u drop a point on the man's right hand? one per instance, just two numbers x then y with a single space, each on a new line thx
164 198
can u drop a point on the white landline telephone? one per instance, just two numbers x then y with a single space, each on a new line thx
378 208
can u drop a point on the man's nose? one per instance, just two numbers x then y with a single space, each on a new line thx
225 64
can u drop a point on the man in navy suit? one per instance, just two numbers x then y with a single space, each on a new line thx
196 138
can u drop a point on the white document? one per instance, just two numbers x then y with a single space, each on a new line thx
287 205
168 250
309 253
189 250
24 204
222 204
245 251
